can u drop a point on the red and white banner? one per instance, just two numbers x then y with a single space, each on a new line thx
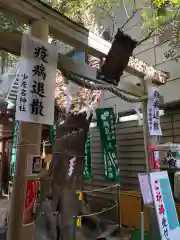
31 190
154 158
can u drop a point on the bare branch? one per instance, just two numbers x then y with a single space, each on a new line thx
134 12
147 37
112 35
176 13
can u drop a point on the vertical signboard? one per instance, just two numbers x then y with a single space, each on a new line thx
87 159
153 108
37 81
14 150
106 123
165 206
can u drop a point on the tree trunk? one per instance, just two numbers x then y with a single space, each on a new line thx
63 187
4 56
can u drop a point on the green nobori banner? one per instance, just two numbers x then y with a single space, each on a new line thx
106 122
14 150
87 159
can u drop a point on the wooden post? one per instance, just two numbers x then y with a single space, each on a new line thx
29 143
149 141
145 128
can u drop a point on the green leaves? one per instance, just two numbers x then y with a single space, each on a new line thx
161 3
78 7
144 14
10 24
6 59
166 16
165 12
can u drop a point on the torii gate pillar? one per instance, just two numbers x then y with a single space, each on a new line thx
29 143
148 142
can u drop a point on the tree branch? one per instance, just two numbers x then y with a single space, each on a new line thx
133 13
147 37
124 24
162 24
175 15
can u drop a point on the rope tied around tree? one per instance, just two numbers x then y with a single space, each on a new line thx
95 86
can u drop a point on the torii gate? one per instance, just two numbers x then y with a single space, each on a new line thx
28 11
70 32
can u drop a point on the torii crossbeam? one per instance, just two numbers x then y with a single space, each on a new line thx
72 66
73 34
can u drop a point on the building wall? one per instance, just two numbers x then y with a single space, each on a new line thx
129 134
131 157
151 52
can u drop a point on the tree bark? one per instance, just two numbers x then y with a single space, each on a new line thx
63 188
4 56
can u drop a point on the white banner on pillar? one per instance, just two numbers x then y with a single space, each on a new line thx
37 74
153 109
